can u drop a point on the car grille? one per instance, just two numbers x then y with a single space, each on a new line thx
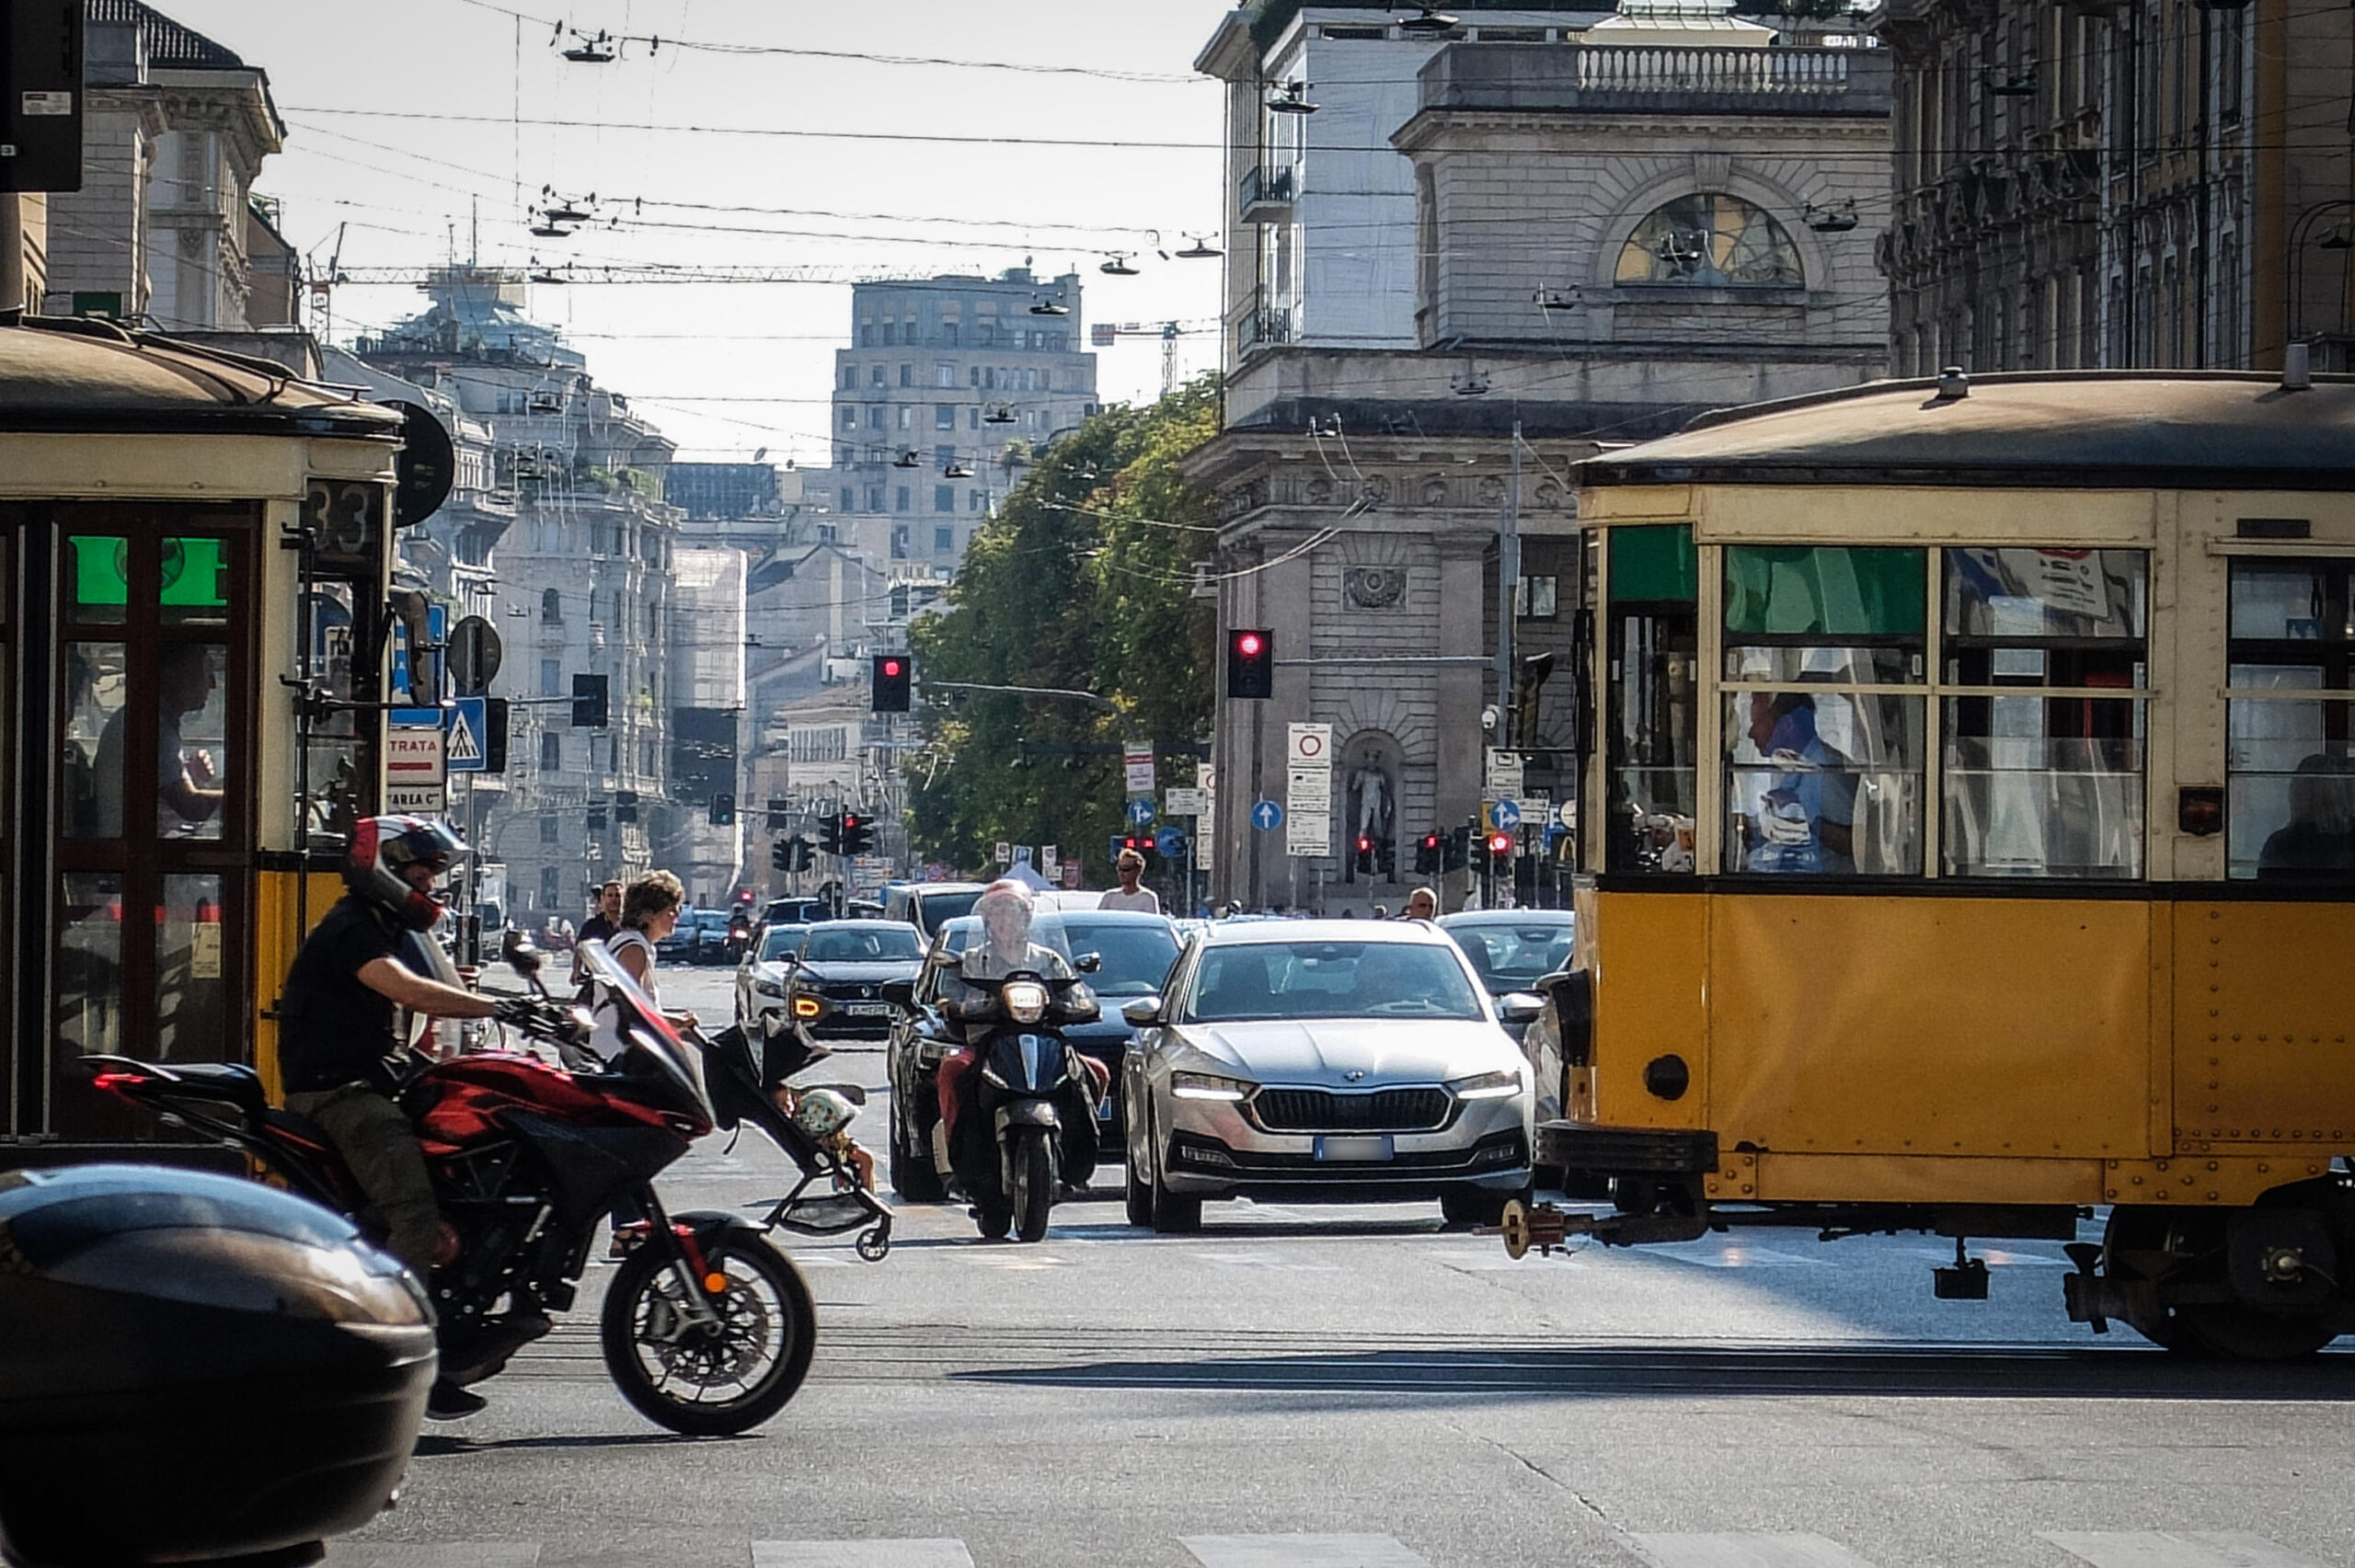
1320 1110
846 991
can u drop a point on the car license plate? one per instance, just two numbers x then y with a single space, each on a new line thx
868 1009
1354 1148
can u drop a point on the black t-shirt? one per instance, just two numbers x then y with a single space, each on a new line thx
332 1028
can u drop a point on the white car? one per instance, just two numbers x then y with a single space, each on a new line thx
1344 1060
762 972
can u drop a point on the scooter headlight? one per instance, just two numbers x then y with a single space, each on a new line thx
1025 1001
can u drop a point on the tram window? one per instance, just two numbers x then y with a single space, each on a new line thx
89 961
195 583
192 1016
2048 784
2290 778
1824 782
1652 692
90 786
192 750
1824 592
101 593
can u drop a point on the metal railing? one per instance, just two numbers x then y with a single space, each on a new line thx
1266 185
1264 326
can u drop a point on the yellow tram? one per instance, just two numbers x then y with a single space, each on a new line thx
1968 837
194 639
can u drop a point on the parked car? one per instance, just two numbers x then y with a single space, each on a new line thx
928 906
679 947
1333 1059
834 987
1121 954
1511 950
760 975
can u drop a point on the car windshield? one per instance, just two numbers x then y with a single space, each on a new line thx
937 908
861 945
1512 957
780 940
1244 982
1136 956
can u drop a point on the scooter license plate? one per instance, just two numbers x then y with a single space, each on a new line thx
1355 1148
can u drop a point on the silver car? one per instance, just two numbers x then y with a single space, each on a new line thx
1323 1059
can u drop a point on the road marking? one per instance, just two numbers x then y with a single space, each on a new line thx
861 1554
1265 1260
442 1554
1300 1551
1735 1255
2175 1549
1748 1550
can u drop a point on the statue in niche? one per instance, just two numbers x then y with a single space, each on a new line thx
1372 803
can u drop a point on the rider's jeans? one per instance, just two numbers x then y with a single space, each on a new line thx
380 1149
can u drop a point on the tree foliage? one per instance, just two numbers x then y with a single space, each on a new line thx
1081 582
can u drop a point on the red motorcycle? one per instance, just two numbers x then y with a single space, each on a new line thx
708 1328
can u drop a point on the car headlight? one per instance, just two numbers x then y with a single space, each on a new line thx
1207 1086
1499 1085
1025 1001
768 987
807 1007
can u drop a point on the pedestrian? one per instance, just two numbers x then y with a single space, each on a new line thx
599 927
650 907
1131 894
1422 904
1382 912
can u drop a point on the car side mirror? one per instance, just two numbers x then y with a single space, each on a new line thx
1520 1007
1088 963
1144 1012
900 994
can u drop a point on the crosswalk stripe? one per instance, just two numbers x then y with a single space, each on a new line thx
1749 1550
440 1555
861 1554
2175 1549
1300 1551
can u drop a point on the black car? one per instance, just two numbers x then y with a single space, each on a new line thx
1512 949
1123 954
834 986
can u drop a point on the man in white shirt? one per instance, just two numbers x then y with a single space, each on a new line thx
1129 895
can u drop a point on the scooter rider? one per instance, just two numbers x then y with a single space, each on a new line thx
338 1054
1005 908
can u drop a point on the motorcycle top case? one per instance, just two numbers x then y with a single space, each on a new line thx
195 1367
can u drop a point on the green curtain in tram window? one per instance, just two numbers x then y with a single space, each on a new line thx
1828 590
1650 564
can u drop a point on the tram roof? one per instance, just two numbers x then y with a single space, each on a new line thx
70 375
2167 430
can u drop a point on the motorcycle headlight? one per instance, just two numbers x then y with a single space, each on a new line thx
1499 1085
1025 1001
1207 1086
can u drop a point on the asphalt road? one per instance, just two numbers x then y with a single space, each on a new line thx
1362 1388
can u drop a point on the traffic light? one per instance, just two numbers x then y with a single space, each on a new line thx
624 804
830 834
1250 662
1365 854
805 854
1142 843
1426 854
1455 851
723 811
858 833
780 814
888 685
781 855
589 702
1499 846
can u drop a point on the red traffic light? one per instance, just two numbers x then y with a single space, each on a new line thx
891 667
1430 841
1501 844
1249 643
1366 844
850 818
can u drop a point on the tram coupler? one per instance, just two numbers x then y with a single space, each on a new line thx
1545 1228
2086 1293
1965 1281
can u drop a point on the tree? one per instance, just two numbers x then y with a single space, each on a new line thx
1082 581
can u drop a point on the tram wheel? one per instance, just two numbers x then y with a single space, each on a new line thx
2136 1245
2239 1333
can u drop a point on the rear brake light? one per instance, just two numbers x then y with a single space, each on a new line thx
118 1080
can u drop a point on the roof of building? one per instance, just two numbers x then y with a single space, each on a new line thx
2069 428
61 374
169 44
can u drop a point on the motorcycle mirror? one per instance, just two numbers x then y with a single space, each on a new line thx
1088 963
524 960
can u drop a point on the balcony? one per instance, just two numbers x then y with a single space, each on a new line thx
1262 326
1778 80
1264 194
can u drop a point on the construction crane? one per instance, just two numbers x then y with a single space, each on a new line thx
1103 334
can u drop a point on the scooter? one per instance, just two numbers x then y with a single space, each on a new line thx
1029 1125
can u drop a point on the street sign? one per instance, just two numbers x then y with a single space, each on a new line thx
1567 814
1004 854
1022 854
1506 774
413 757
410 800
1308 745
466 748
1136 756
1049 860
1170 842
1308 834
1185 801
1308 789
437 623
1505 814
475 655
1140 813
1267 815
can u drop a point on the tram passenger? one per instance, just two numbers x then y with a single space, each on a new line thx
1805 819
185 795
2317 844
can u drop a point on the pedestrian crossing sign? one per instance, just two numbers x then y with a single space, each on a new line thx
468 722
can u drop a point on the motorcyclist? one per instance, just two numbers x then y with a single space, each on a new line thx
340 1057
1006 908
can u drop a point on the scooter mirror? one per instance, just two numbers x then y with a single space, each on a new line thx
1088 963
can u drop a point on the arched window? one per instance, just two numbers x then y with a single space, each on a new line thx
1713 241
552 607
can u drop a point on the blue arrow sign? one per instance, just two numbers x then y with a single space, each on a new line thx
1170 842
1140 812
1267 815
1505 815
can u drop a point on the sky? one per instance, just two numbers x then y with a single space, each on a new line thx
426 131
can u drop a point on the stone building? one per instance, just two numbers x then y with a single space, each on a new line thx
164 229
943 375
2149 183
1648 214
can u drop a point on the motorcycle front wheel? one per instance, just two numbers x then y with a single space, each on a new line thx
1034 1183
719 1378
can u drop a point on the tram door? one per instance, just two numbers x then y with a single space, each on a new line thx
137 806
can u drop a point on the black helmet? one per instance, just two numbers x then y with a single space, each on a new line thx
383 847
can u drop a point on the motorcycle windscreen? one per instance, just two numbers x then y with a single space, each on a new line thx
647 1033
1029 1062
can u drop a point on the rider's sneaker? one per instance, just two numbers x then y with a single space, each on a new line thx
628 1238
448 1401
